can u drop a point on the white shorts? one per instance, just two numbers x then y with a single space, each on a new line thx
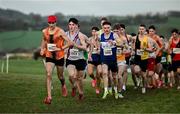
121 63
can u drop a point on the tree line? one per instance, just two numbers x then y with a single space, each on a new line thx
15 20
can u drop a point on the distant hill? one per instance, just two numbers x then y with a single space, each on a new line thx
22 32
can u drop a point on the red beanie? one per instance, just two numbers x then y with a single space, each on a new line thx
52 18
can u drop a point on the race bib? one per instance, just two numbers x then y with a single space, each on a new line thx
176 50
107 51
152 55
74 52
139 52
119 51
51 47
163 59
95 51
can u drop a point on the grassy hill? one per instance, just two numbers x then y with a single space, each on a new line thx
19 40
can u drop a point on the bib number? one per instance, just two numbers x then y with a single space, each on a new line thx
74 52
176 50
51 47
107 52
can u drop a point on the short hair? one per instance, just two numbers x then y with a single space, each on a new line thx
161 36
116 26
133 34
152 27
95 28
106 23
142 25
174 30
74 20
104 19
123 26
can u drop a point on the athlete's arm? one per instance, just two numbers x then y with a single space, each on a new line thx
150 48
42 46
161 43
83 42
68 41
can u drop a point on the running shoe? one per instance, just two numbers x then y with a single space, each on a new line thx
81 97
93 83
73 92
120 95
143 90
47 100
105 94
64 90
97 91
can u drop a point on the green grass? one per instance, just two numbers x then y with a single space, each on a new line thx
23 90
19 39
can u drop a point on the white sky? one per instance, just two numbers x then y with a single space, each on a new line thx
91 7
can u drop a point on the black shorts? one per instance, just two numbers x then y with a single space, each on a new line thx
143 65
112 65
158 59
95 63
59 62
79 64
165 67
127 60
175 65
137 60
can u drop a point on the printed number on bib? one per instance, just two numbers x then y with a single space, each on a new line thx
107 52
51 47
74 52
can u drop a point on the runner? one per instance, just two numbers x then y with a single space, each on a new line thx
108 57
127 46
158 68
75 61
174 44
52 46
142 54
94 60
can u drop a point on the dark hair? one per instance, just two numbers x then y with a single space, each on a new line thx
161 36
122 26
74 20
152 27
174 30
142 25
106 23
133 34
116 26
104 19
95 28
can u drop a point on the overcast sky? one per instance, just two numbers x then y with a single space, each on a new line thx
91 7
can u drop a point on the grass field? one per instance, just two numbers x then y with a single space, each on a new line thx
23 90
